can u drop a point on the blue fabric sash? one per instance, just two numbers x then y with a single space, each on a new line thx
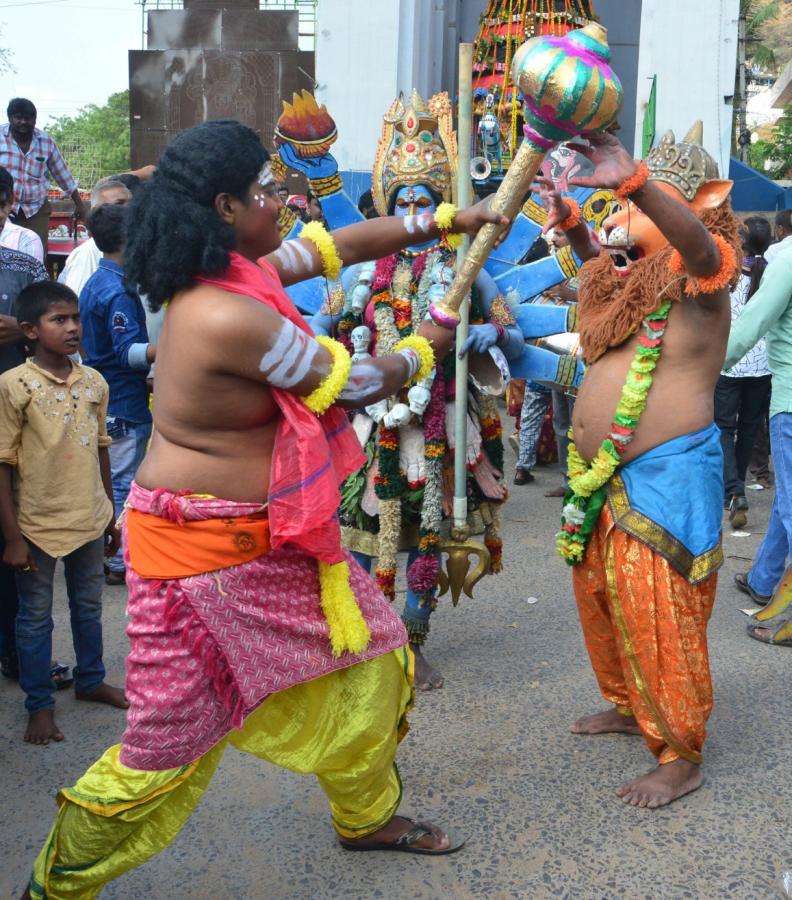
671 498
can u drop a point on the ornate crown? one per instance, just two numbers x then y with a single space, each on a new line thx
417 146
685 165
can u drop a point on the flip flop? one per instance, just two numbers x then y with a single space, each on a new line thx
741 581
752 632
404 844
60 674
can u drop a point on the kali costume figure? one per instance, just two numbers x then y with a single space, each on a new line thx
249 625
642 518
400 499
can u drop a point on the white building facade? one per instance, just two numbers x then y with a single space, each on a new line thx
367 51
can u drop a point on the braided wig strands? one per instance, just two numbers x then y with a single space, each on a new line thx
611 308
173 231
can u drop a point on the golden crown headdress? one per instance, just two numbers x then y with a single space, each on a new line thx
685 165
417 146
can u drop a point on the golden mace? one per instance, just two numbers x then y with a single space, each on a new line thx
569 88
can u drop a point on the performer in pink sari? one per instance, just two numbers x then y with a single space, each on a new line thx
249 624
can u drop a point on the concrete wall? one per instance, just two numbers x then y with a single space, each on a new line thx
368 51
692 48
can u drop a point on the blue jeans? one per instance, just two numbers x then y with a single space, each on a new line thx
130 440
413 613
9 606
771 559
84 580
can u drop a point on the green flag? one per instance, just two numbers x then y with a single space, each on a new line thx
650 114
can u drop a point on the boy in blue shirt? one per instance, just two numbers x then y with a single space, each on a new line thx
115 343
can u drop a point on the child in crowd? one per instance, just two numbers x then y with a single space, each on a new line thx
55 500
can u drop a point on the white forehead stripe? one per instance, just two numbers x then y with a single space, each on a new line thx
290 358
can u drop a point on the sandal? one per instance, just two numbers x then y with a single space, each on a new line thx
61 675
523 476
741 580
782 642
9 666
405 843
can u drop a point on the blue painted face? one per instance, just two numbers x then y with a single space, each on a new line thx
413 201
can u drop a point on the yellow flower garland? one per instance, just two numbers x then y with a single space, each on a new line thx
321 399
444 219
425 354
318 235
585 482
348 629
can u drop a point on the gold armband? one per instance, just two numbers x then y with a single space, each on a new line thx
323 187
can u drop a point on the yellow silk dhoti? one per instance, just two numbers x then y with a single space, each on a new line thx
343 727
645 628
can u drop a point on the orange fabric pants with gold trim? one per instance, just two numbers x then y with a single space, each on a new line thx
645 628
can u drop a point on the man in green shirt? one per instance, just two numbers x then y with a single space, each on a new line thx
769 315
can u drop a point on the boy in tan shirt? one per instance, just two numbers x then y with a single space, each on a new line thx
55 500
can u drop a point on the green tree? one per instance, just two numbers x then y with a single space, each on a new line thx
757 14
779 152
754 17
95 142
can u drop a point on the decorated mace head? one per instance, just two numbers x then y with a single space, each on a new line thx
568 85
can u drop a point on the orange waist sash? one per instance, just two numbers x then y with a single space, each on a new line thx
161 549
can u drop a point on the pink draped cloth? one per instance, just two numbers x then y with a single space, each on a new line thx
207 650
312 455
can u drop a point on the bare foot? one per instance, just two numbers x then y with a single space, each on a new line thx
662 785
436 841
606 723
105 693
427 678
556 492
42 728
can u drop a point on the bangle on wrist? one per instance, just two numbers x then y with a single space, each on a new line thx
421 347
444 219
632 184
410 356
318 235
321 399
574 218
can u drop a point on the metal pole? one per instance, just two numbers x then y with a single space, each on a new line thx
464 199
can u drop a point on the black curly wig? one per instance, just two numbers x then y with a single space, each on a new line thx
173 230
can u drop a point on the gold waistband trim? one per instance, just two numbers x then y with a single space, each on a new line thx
692 568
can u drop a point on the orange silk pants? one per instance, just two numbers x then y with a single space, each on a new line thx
645 628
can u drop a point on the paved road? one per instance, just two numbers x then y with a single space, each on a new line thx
490 753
